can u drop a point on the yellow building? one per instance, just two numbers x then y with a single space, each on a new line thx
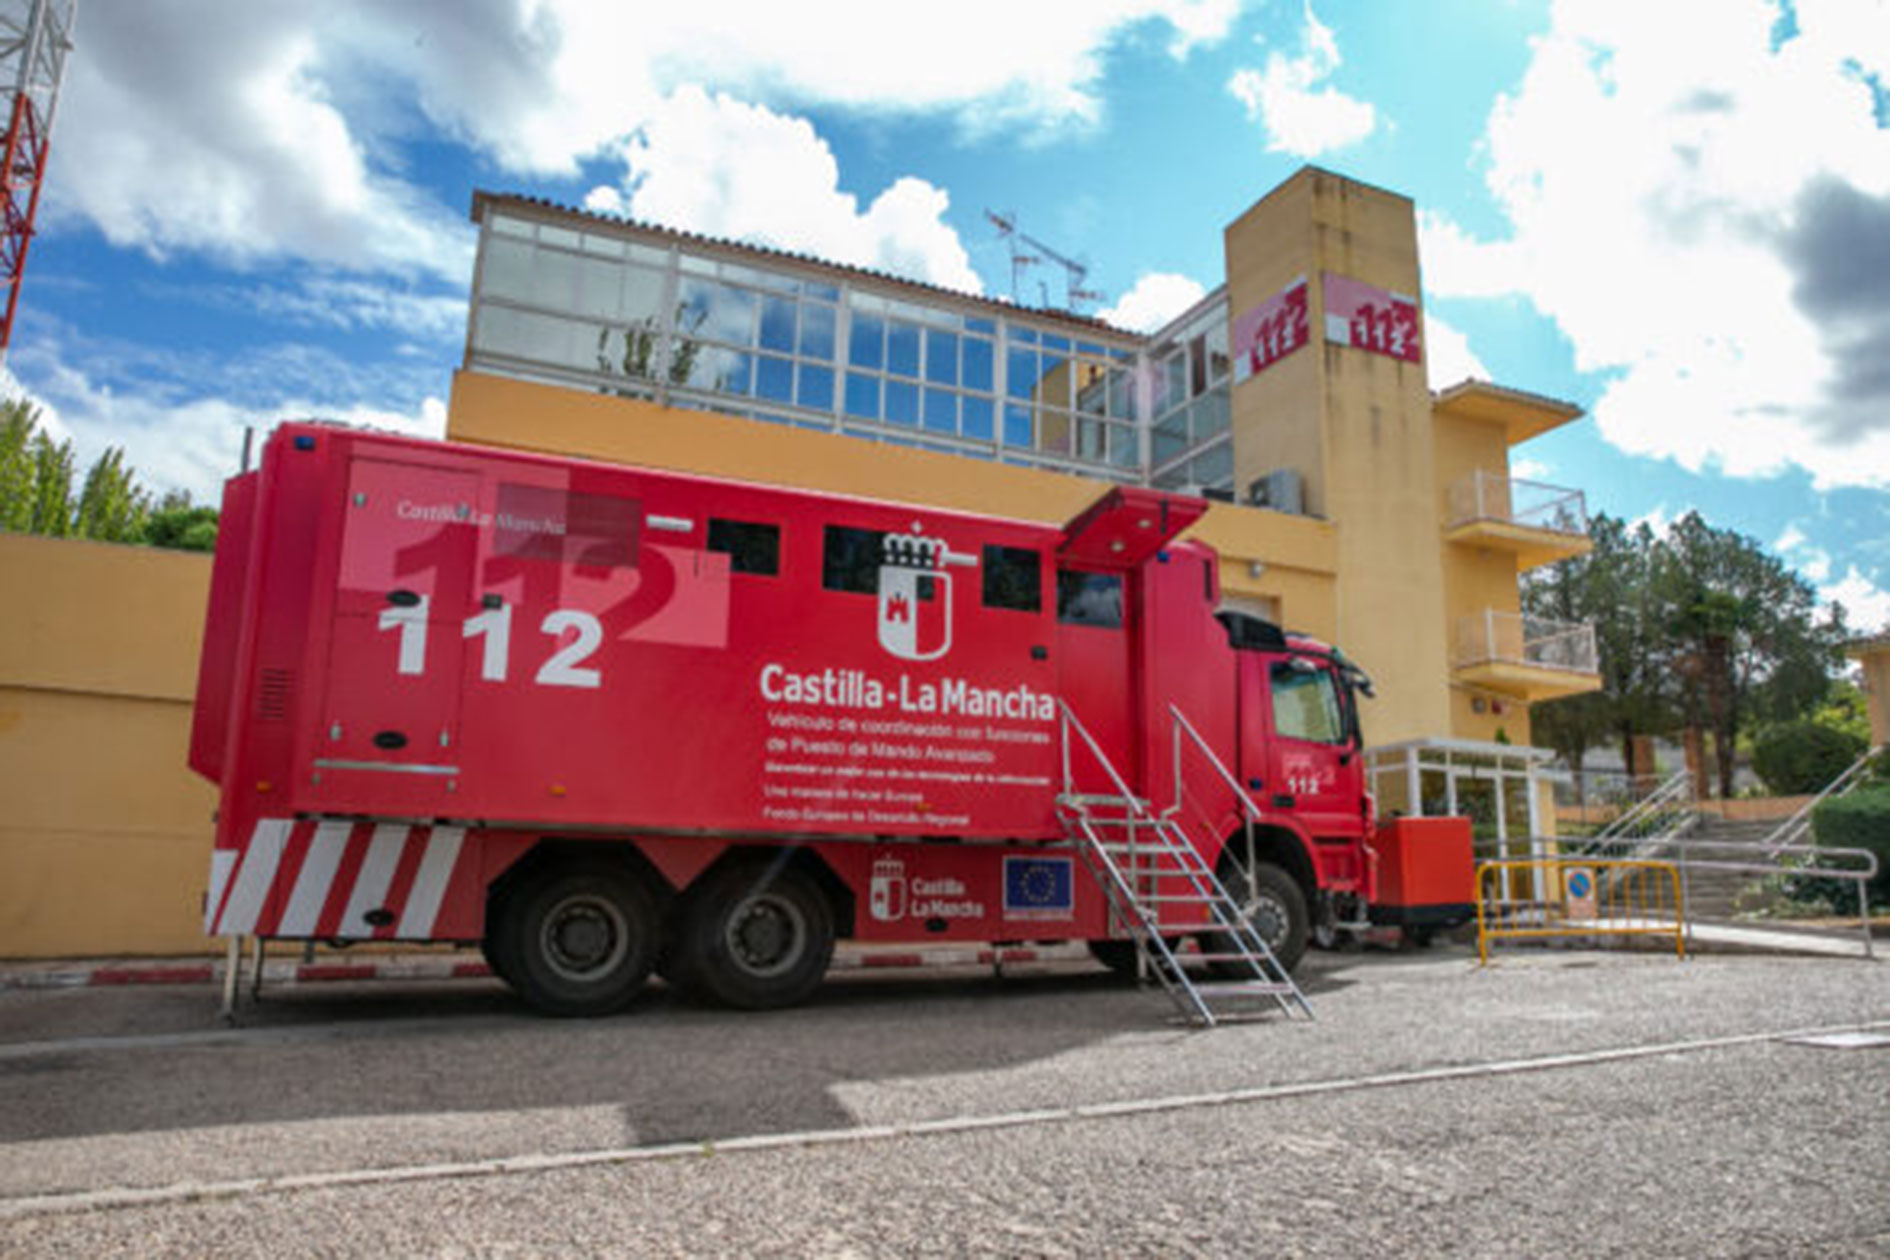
1351 501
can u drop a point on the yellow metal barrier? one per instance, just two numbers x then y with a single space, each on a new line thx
1545 897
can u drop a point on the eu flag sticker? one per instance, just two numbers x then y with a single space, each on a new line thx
1038 888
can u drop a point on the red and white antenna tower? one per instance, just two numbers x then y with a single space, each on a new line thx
35 36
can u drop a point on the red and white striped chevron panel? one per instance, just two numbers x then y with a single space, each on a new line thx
337 880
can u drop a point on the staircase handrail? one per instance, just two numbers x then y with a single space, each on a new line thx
1071 722
1793 830
1182 726
1679 784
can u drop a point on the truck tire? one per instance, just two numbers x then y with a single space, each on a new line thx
1274 905
755 935
578 941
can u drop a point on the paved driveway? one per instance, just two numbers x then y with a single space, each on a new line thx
1556 1103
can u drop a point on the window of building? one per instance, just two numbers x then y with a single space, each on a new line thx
1013 578
1089 599
751 547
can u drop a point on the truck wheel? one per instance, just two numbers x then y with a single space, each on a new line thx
755 936
1272 902
578 942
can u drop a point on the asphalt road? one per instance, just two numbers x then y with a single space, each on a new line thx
1553 1104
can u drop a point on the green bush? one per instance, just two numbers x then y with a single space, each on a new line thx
1860 820
1799 758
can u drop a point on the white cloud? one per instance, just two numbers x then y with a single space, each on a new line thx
275 131
1302 117
713 164
1448 358
1658 519
1704 217
1866 605
1791 538
1156 298
1526 469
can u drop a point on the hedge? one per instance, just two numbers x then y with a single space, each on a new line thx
1803 757
1860 820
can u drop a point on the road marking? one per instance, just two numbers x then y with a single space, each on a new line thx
131 1197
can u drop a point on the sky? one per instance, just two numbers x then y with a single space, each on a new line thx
1675 215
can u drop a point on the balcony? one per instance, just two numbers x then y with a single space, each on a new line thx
1531 658
1539 524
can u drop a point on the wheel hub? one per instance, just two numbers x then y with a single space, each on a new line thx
584 937
766 935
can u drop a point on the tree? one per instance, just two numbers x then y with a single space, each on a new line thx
1746 637
180 525
111 507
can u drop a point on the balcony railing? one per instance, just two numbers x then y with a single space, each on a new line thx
1505 638
1487 496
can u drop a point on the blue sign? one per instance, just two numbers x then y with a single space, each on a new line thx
1579 884
1039 888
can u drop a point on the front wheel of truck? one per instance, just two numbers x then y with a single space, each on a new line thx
1274 905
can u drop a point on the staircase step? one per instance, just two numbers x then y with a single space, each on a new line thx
1245 988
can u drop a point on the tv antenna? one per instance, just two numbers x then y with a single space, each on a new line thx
1021 243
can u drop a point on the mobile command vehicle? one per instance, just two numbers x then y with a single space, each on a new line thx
602 720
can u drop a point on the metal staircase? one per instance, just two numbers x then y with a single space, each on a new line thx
1160 889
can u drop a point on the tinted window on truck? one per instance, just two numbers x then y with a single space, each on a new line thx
850 559
1013 578
751 547
1089 599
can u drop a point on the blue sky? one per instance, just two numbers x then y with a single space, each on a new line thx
1676 215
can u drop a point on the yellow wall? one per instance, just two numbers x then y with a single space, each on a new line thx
1357 426
1874 657
105 838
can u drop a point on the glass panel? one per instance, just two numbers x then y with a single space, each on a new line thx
775 380
549 235
1171 385
1124 450
1306 705
859 301
827 292
978 364
977 417
510 226
866 341
777 324
1092 394
850 559
1089 440
817 325
1089 347
1197 366
507 269
724 371
751 547
1020 373
649 255
1089 599
1171 438
941 357
603 246
1013 578
554 279
642 295
816 388
1053 342
902 348
540 338
1053 432
1210 414
862 396
696 266
1017 427
985 326
600 288
941 411
1121 394
1217 348
1053 387
1214 467
902 403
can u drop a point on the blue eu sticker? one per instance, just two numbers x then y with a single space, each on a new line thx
1038 888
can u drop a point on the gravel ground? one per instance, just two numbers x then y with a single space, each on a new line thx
1756 1148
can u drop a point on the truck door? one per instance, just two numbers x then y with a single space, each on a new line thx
1315 774
1095 632
393 685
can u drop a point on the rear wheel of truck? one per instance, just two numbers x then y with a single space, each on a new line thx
1274 905
578 941
755 935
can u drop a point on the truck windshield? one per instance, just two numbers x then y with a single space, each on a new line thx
1306 705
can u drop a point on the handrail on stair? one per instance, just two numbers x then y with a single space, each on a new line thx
1676 787
1790 833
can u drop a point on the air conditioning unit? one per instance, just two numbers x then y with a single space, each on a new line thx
1282 490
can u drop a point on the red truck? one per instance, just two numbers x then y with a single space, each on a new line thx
602 720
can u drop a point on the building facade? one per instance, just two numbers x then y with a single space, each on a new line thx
1351 501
